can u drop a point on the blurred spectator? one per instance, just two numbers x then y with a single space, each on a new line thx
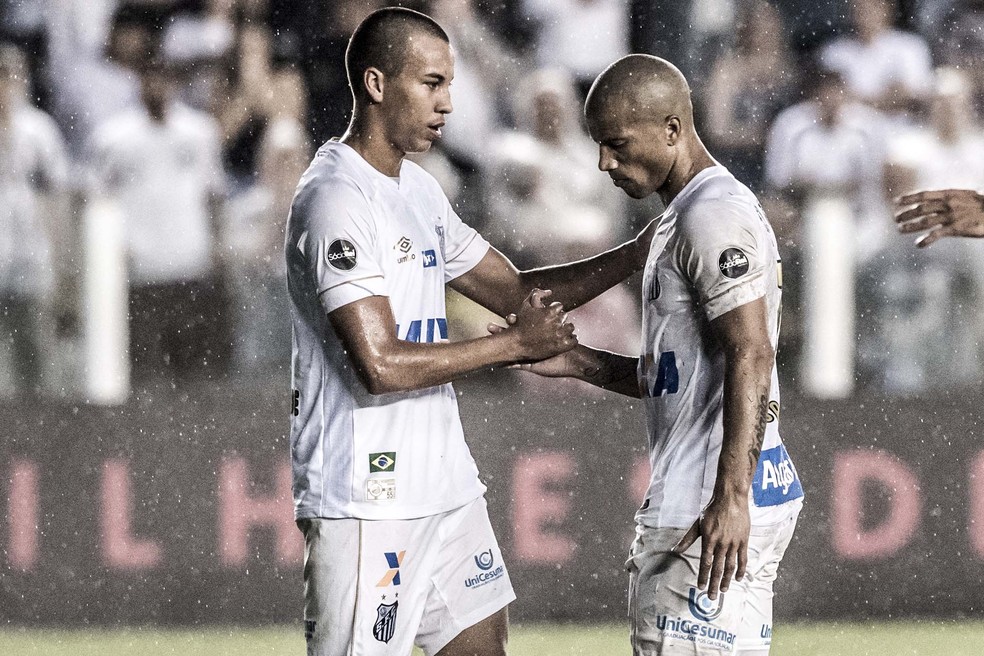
582 36
160 162
939 292
200 43
959 40
885 67
749 85
824 158
33 225
255 235
830 144
245 105
482 68
92 63
549 202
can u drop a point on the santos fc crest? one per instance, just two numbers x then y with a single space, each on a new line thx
385 624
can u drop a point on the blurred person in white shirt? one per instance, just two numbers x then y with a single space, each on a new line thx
160 164
34 225
583 36
887 68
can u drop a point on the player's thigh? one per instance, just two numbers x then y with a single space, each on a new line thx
668 613
487 638
465 609
366 584
766 547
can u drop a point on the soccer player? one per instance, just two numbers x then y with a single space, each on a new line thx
398 545
944 213
724 496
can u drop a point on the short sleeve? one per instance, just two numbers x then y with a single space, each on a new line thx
723 255
340 248
463 247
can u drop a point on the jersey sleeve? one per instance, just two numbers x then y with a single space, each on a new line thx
723 254
462 245
341 246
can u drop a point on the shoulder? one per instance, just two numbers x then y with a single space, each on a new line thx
120 129
720 208
329 190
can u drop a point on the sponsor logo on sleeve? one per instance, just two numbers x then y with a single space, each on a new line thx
385 625
341 255
775 479
382 462
733 263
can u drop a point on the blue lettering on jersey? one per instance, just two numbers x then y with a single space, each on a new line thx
434 330
430 259
667 376
776 480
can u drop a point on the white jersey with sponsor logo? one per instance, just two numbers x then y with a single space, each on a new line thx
713 251
354 232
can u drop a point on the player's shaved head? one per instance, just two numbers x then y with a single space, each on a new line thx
643 87
384 40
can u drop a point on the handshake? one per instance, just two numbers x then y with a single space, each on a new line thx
536 333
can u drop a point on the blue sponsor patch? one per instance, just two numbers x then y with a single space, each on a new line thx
430 258
776 480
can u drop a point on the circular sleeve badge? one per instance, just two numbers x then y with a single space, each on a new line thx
733 263
341 255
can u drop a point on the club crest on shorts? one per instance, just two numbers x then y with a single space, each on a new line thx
341 255
385 624
733 263
703 607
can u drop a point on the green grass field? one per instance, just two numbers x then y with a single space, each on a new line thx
832 639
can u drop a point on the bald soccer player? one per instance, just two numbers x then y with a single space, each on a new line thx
724 496
398 544
943 213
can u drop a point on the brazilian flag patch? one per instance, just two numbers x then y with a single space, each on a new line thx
382 462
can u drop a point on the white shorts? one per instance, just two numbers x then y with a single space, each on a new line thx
375 588
669 615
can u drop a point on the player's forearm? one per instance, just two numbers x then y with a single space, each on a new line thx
576 283
748 373
406 366
609 371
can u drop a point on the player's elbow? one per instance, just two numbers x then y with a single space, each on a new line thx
381 377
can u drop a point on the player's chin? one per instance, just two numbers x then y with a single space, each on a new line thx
421 145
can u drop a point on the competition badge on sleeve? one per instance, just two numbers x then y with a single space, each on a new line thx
341 255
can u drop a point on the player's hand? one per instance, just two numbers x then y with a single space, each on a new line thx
723 528
564 365
643 241
945 213
541 331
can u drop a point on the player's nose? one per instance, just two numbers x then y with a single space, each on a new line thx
605 160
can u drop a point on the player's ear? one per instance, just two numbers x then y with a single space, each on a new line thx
672 130
372 80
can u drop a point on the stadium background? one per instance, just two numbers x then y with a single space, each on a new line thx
157 496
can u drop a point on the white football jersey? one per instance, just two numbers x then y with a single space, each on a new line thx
354 232
713 251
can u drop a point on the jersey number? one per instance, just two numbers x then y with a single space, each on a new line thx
667 375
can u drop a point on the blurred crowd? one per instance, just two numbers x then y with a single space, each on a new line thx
149 151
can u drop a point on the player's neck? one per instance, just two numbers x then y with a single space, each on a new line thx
691 161
374 147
